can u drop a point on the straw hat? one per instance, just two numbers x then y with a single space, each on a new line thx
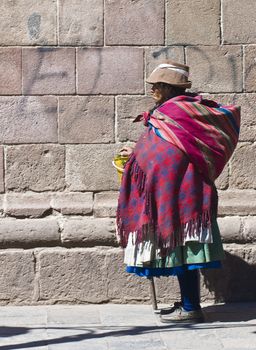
172 73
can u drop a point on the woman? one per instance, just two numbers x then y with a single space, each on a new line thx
167 207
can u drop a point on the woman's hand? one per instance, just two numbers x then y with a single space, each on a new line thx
126 151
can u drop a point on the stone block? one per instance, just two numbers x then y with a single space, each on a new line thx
89 167
1 169
28 22
76 275
215 68
37 116
17 274
72 203
250 68
231 229
239 21
10 71
236 281
27 204
243 167
237 202
128 107
222 180
134 22
81 23
105 204
27 233
48 71
193 20
122 286
35 167
86 119
88 232
108 70
249 228
156 55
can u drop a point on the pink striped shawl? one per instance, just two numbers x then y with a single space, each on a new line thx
203 129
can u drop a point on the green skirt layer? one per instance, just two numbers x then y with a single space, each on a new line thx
192 253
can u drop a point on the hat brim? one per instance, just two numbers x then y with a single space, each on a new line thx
186 85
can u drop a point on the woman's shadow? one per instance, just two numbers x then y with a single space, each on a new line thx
234 284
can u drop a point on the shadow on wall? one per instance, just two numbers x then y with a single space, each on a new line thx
236 281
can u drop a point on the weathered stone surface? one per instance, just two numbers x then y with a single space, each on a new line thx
134 22
35 167
128 107
77 275
29 232
89 167
105 204
37 116
27 204
231 229
108 70
86 119
237 202
236 281
193 20
250 68
17 273
249 229
156 55
124 287
243 167
215 68
1 169
81 23
239 21
222 180
10 71
72 203
48 71
28 22
88 232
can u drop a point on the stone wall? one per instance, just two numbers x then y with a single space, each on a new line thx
71 79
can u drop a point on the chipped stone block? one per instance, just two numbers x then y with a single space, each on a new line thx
239 22
105 204
22 233
35 167
250 68
72 203
108 70
88 232
86 119
199 20
48 71
134 22
27 204
243 167
77 275
81 23
37 116
10 71
237 202
215 68
28 22
89 167
17 275
128 107
231 229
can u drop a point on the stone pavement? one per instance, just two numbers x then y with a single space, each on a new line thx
121 327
